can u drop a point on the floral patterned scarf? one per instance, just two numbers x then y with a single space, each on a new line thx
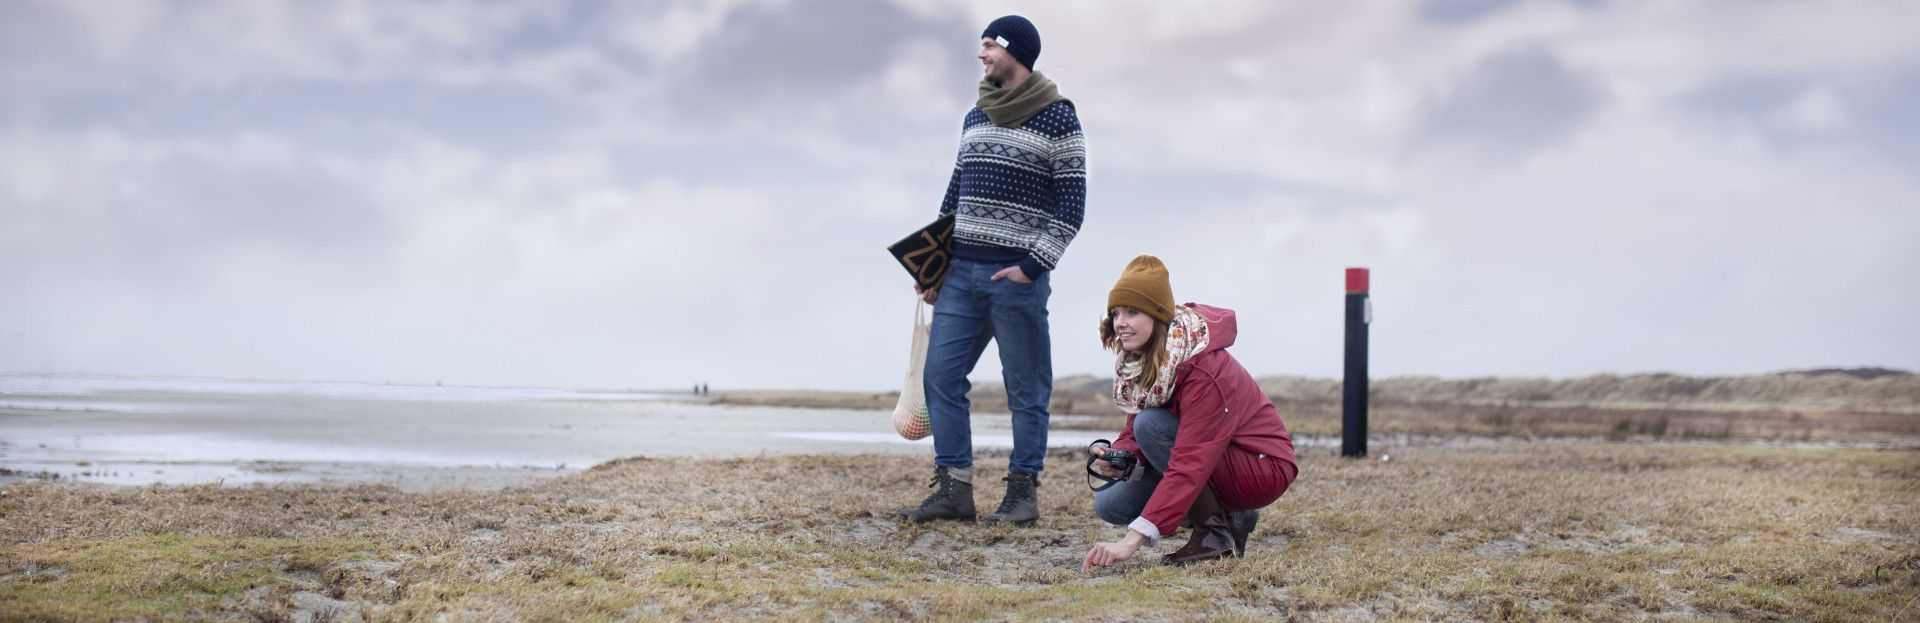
1186 337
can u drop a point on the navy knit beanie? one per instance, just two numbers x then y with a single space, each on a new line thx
1018 36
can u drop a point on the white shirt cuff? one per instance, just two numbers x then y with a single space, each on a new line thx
1146 528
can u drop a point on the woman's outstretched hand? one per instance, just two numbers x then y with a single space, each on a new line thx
1109 554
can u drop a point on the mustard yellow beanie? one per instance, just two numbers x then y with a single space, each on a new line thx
1144 286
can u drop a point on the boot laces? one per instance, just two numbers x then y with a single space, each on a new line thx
943 481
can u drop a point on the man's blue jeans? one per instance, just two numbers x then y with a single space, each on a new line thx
973 309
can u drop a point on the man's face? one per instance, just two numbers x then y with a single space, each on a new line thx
997 64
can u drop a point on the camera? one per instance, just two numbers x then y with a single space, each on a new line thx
1120 459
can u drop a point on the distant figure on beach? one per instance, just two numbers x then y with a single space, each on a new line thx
1213 448
1019 190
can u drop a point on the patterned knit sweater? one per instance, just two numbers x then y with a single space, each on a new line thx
1020 192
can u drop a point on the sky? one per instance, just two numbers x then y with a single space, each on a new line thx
653 194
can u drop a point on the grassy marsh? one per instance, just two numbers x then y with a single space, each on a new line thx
1519 531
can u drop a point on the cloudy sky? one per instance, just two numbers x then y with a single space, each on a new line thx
652 194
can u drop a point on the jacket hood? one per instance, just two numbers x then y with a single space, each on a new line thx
1221 326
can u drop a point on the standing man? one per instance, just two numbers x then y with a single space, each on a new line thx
1019 187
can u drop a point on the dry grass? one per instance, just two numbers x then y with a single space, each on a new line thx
1384 417
1622 424
1512 532
1697 420
1869 390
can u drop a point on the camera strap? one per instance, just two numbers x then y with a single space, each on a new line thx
1119 459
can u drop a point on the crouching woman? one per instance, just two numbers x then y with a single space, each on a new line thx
1211 447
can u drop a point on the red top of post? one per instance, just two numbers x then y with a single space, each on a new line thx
1356 281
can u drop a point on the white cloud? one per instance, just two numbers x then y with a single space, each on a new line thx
670 32
186 46
1815 110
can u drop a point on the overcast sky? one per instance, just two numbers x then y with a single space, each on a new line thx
653 194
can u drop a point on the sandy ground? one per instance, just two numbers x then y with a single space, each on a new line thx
416 440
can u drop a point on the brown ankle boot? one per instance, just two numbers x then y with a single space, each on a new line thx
1212 533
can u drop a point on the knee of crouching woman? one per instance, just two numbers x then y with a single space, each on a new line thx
1155 426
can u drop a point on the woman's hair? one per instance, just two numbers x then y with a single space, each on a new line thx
1156 347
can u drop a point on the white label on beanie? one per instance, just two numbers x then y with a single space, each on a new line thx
1000 40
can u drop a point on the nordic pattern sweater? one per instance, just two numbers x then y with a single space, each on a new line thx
1019 192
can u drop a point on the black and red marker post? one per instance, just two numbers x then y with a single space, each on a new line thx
1353 411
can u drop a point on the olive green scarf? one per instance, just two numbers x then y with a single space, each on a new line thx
1008 108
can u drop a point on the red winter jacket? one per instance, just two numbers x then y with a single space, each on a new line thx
1219 406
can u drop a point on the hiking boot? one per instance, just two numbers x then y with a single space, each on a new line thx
1021 506
1242 524
1213 533
951 499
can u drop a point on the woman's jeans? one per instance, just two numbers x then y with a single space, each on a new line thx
1122 502
972 310
1242 482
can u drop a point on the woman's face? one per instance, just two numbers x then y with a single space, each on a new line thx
1133 328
